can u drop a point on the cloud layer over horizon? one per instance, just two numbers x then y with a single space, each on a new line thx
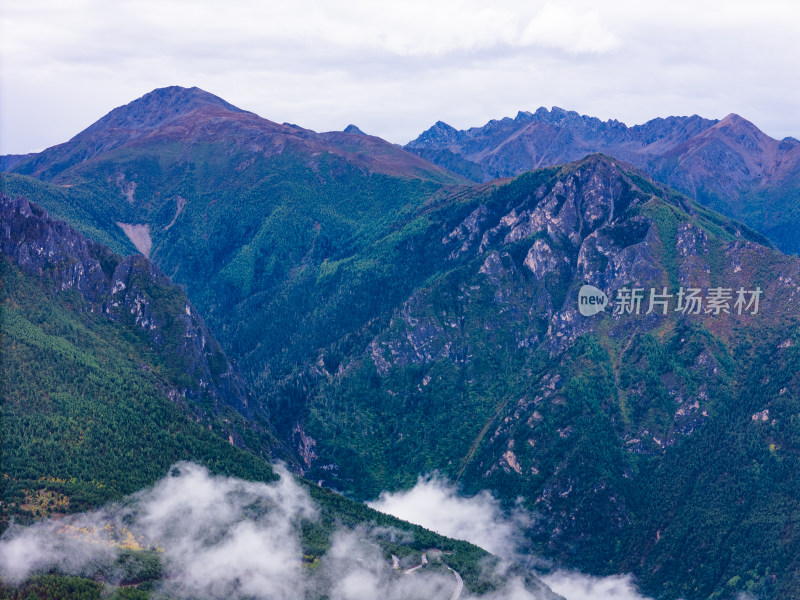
394 69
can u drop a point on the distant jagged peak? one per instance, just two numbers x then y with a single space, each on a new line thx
737 127
439 134
353 129
734 119
559 113
737 123
159 107
743 134
556 115
695 121
442 135
789 143
541 113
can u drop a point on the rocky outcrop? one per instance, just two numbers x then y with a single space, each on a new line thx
588 227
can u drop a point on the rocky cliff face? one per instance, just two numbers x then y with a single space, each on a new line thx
597 225
129 288
489 373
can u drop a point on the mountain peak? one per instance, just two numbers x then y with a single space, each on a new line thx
157 111
353 129
736 123
732 118
601 163
158 107
440 134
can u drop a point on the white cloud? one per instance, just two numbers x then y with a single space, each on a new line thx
435 504
25 551
575 31
222 537
219 543
355 570
395 68
577 586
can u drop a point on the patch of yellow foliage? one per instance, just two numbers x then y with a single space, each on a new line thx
43 503
108 535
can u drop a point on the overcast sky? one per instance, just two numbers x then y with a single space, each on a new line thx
395 69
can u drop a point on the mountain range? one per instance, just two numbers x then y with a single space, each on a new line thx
728 164
396 312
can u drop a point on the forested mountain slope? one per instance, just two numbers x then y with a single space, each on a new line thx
109 374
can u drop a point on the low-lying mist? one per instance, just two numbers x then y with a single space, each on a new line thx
220 537
435 504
